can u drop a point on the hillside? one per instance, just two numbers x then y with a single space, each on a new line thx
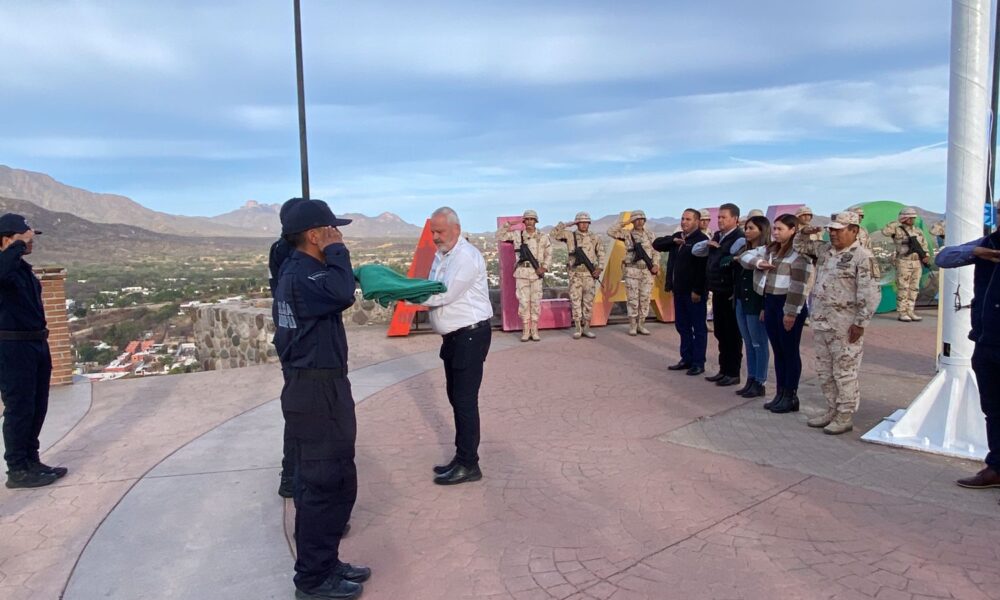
263 219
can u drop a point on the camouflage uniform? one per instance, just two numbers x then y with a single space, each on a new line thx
582 284
529 284
638 278
846 293
908 265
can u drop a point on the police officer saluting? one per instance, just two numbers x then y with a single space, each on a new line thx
25 362
315 285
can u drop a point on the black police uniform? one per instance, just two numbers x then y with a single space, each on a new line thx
279 253
317 403
25 362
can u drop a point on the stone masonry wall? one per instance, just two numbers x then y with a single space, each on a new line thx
53 281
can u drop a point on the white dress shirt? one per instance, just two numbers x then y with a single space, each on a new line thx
467 301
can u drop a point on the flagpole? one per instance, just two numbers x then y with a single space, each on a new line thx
300 81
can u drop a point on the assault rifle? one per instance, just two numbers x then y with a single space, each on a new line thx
640 254
581 257
524 255
916 248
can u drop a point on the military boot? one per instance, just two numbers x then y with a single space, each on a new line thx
914 316
526 331
578 333
842 423
632 326
534 332
904 317
641 328
822 420
586 331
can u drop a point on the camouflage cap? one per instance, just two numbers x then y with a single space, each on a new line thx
706 215
529 214
636 215
804 210
755 213
582 217
843 219
907 212
860 210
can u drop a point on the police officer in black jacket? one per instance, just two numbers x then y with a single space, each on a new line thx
280 251
686 280
25 362
315 285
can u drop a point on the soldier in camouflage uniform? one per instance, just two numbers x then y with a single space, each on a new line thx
705 222
582 283
909 266
844 300
638 276
863 237
805 216
528 279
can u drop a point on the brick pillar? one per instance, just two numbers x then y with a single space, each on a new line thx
54 298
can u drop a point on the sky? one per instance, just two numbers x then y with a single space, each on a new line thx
189 107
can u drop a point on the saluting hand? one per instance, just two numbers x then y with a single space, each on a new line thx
765 266
679 241
25 237
329 236
987 254
713 244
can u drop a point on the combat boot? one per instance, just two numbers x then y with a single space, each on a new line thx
586 331
822 420
842 423
641 328
526 331
914 316
632 326
904 317
578 333
534 333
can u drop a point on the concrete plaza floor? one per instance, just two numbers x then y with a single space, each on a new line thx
606 476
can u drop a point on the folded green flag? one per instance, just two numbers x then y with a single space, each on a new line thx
385 286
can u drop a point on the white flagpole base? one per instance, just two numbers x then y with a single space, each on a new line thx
944 419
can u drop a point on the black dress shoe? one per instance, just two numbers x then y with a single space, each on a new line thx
727 381
40 467
681 366
745 388
442 469
695 371
25 478
460 474
347 571
333 588
715 377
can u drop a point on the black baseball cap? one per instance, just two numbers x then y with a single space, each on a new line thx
288 206
14 223
309 214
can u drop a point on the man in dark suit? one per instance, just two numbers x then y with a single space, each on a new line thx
686 280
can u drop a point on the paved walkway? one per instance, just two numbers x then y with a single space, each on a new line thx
611 478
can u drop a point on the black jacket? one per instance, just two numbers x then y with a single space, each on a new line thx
986 303
685 271
721 274
20 292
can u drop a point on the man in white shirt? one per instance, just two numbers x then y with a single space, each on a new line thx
462 316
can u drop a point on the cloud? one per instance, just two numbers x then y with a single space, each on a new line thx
130 149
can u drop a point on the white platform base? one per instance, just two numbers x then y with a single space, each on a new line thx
944 419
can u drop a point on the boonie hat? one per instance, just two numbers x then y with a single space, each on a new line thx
582 217
309 214
843 219
14 223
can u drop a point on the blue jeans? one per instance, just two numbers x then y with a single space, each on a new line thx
755 342
787 358
689 320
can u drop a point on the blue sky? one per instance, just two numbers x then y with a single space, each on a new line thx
189 107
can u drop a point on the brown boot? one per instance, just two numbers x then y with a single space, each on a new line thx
841 423
586 331
987 478
534 333
578 333
525 331
632 326
641 329
823 420
914 316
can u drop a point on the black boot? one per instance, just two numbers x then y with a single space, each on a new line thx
746 388
757 391
777 398
789 403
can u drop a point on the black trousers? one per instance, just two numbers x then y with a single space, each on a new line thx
288 445
25 371
464 353
727 333
986 365
689 320
319 416
785 345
